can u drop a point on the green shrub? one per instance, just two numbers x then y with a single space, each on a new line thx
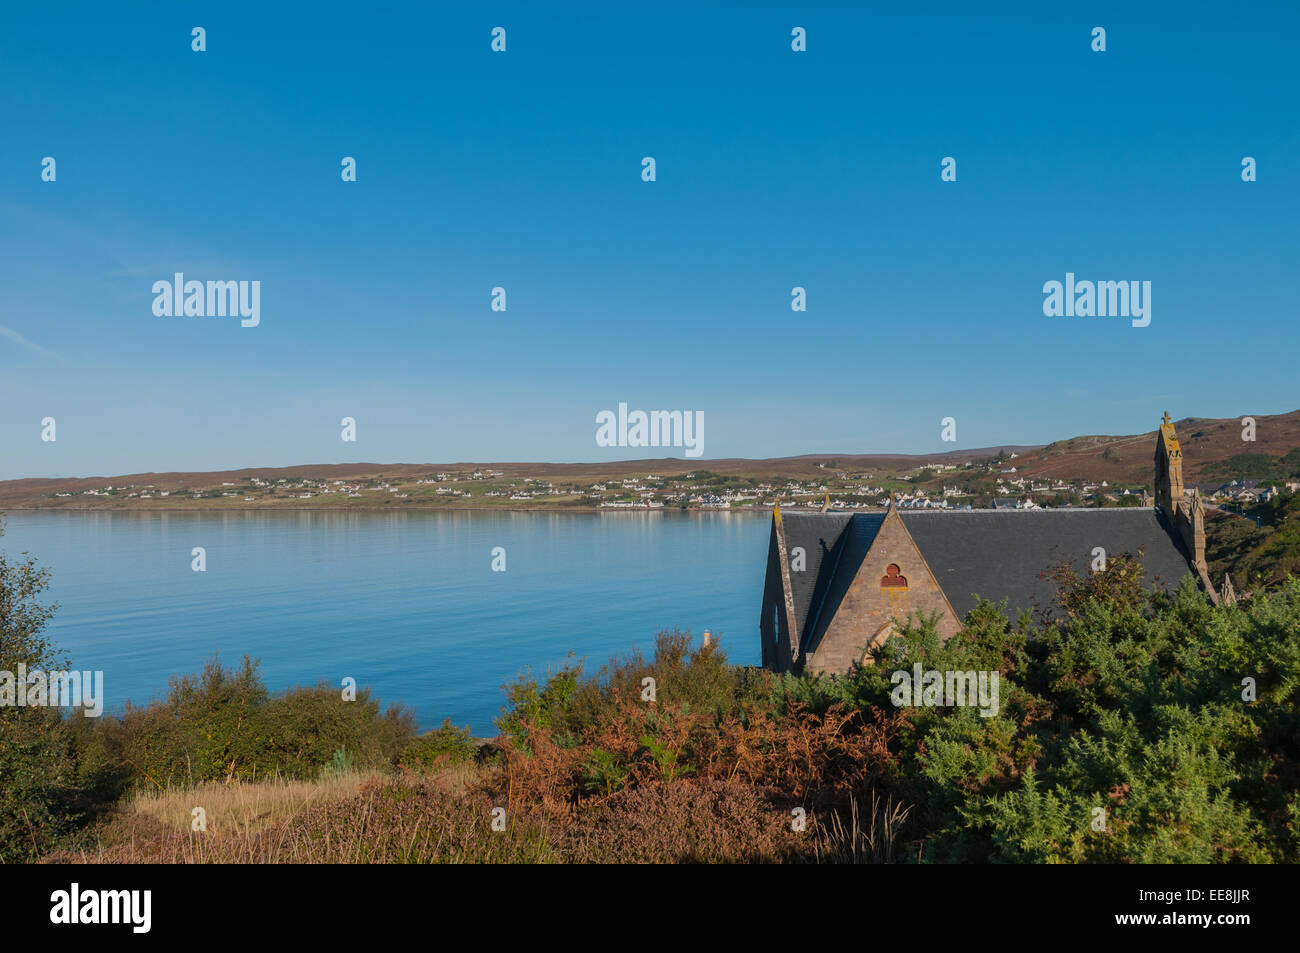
442 746
342 763
223 725
38 797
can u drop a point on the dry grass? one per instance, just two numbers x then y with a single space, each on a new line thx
875 842
454 779
388 821
243 807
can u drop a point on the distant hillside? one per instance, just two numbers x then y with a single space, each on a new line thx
1212 448
1258 552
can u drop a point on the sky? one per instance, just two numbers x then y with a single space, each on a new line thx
523 170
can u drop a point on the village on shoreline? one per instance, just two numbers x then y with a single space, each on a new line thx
984 485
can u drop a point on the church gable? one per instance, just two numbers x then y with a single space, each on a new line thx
891 580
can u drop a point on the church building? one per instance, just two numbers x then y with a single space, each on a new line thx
836 581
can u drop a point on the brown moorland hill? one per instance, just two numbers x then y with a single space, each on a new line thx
1127 459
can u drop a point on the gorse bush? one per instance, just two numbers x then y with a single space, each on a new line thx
1130 717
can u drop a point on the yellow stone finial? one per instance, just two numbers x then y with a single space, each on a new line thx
1167 432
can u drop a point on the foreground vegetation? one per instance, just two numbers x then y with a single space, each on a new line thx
1137 727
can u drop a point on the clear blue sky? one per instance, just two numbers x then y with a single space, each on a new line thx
522 169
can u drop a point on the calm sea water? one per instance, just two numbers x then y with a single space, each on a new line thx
405 603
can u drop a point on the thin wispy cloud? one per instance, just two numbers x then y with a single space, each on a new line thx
17 338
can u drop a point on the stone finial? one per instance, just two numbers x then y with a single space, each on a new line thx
1227 594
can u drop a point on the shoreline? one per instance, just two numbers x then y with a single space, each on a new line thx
384 509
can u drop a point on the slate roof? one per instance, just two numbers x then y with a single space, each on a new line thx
997 554
818 534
